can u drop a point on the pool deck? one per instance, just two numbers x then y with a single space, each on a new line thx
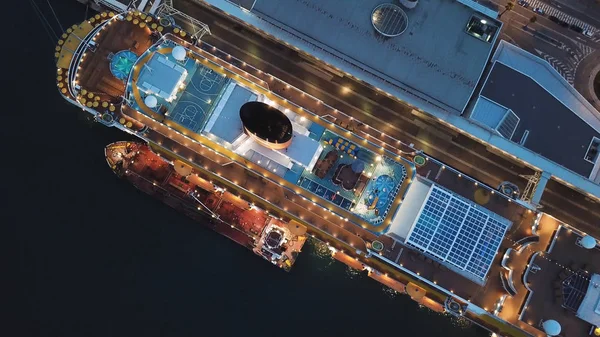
95 69
369 158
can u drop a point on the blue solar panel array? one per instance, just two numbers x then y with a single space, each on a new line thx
458 232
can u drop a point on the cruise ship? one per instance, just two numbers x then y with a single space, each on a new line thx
268 166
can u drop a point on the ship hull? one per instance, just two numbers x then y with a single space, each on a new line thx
155 176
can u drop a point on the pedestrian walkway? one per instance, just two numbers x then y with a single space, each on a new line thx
580 51
549 10
565 71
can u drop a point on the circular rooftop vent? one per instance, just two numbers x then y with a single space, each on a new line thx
389 20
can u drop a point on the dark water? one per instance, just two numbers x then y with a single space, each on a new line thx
89 255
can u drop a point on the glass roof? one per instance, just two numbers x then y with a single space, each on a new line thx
458 232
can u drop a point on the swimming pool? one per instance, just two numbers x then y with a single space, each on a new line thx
381 190
121 64
354 178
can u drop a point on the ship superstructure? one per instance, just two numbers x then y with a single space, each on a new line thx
228 140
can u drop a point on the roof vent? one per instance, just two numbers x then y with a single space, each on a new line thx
389 20
593 150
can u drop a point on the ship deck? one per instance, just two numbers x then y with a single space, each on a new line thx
490 296
197 99
226 212
271 195
548 298
95 74
249 196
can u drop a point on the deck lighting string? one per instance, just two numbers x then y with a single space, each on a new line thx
318 102
528 248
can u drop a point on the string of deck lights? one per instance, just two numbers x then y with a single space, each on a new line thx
223 69
317 101
287 85
400 101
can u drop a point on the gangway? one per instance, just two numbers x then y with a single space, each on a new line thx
530 188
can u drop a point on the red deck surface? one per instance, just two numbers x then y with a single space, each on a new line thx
233 217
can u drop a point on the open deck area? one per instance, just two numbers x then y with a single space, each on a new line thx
96 73
561 280
188 98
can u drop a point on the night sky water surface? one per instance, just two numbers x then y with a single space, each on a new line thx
89 255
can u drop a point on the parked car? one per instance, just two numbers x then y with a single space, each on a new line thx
588 33
576 28
523 3
558 21
539 10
